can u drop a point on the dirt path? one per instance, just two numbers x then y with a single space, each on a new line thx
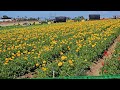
29 75
95 68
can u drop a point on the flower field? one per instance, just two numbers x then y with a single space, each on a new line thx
61 49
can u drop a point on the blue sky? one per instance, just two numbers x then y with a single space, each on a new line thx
50 14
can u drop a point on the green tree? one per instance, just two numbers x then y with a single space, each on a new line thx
79 18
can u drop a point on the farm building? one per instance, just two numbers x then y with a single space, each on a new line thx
60 19
6 19
94 17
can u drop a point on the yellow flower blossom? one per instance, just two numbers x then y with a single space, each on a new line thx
61 53
44 69
18 54
28 52
70 61
93 45
5 63
85 60
44 62
60 64
43 65
37 64
63 57
25 58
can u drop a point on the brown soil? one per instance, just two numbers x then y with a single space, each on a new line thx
29 75
95 68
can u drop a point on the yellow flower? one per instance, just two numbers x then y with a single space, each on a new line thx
32 52
61 53
10 59
85 60
6 59
43 65
68 47
18 54
28 52
70 61
25 51
35 57
71 64
76 50
105 38
63 57
44 62
54 42
18 51
93 45
8 48
5 63
46 48
60 64
34 47
44 69
25 58
15 55
37 64
4 50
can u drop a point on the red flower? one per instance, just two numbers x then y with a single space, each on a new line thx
105 71
105 53
102 63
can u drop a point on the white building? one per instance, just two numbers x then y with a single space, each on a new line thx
7 19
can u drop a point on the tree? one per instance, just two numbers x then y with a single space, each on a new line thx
38 18
68 18
25 17
79 18
82 18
